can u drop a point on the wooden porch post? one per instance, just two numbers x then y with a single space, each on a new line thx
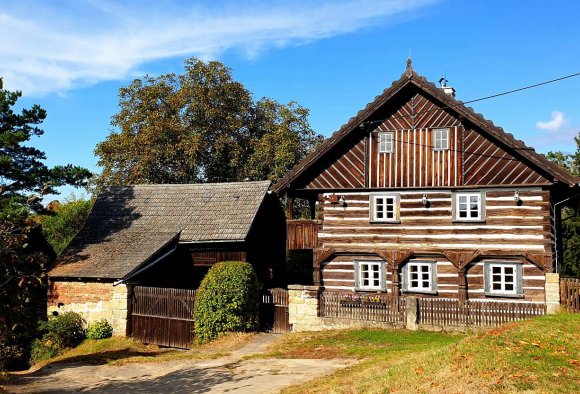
396 285
462 286
289 207
312 206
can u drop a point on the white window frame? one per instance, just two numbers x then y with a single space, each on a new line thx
440 139
418 266
457 201
516 274
374 208
386 142
378 267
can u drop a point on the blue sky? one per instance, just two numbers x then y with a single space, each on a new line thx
333 57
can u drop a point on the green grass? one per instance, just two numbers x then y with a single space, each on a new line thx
120 350
359 344
537 356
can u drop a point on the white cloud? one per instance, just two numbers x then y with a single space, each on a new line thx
54 49
554 124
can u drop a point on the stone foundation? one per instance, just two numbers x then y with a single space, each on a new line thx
552 292
93 301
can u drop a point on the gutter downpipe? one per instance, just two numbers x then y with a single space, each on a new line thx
557 259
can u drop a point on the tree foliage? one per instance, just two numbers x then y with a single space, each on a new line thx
25 255
24 258
201 126
570 263
65 221
21 168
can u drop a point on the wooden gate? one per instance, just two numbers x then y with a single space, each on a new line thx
274 311
570 294
163 316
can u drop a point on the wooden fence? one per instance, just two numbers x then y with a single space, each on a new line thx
570 294
376 308
450 312
163 316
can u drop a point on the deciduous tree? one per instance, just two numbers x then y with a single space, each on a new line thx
570 263
201 126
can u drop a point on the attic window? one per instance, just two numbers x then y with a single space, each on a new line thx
385 142
441 139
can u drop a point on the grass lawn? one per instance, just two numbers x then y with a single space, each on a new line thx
120 350
537 356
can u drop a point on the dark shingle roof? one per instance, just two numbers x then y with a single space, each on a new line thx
130 224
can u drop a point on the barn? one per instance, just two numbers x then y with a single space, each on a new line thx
143 239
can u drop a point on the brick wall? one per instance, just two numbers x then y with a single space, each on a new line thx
93 300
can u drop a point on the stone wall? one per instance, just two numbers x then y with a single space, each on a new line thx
303 308
93 300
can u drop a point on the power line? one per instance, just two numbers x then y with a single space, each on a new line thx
454 150
474 100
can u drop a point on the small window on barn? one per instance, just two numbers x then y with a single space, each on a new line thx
385 142
370 275
503 279
384 208
469 207
440 139
419 276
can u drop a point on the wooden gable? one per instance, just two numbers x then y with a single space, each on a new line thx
411 109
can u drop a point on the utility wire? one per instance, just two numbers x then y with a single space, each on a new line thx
451 150
474 100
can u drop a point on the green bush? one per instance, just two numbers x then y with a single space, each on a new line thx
46 347
226 300
58 333
68 329
100 329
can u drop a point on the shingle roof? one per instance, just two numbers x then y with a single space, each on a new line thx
130 224
410 76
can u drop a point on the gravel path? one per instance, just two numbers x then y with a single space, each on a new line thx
230 374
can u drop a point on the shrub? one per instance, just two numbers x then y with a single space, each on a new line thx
46 347
67 329
226 300
100 329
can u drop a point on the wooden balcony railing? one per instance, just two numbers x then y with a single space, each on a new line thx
301 234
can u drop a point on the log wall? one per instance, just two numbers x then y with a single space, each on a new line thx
508 227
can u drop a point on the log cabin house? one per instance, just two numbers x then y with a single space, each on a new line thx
419 195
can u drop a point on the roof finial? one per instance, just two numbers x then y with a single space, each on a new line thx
409 63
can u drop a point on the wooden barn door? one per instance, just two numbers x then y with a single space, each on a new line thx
274 311
163 316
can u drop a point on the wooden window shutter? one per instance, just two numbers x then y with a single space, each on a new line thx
405 277
434 276
357 275
383 276
486 278
519 278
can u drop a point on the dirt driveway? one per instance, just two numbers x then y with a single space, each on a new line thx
231 374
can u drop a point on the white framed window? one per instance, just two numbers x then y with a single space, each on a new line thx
503 278
384 208
420 276
385 142
468 207
441 139
370 275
